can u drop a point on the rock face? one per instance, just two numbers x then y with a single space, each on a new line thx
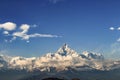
63 59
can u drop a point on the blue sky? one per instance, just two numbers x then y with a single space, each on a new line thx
83 24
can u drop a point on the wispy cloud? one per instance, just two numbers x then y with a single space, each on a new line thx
42 35
118 28
118 39
22 33
115 50
112 28
55 1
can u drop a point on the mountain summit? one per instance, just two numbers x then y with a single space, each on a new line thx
66 50
63 59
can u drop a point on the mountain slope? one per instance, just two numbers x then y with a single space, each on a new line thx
61 60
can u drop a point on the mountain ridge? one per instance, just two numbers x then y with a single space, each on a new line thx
63 59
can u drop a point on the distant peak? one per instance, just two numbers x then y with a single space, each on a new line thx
65 46
93 55
65 50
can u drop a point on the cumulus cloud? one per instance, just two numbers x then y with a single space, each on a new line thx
24 36
21 32
24 28
6 32
112 28
9 26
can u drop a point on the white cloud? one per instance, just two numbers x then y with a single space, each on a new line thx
19 34
9 26
24 28
118 28
34 25
112 28
42 35
24 36
28 36
22 33
6 32
27 41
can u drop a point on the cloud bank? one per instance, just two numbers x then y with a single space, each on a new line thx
21 32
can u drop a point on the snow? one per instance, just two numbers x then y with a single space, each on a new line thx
60 60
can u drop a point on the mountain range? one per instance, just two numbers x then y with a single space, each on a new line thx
63 60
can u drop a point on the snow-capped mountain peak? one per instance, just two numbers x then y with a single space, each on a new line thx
63 59
66 50
92 55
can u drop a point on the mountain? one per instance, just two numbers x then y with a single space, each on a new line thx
4 61
63 59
